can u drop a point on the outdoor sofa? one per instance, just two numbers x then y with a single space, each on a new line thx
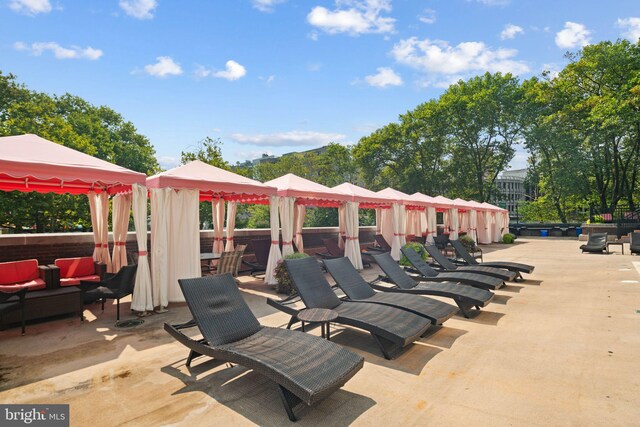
597 243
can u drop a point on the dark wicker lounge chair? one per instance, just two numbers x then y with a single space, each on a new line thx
115 287
597 243
447 265
261 248
305 367
429 274
516 267
634 243
358 290
391 328
382 245
334 251
466 297
442 243
13 301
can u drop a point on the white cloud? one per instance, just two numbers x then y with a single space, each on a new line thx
139 9
385 77
30 7
510 31
232 71
313 35
428 16
59 52
168 162
165 66
266 5
573 35
493 2
252 154
353 17
631 27
288 139
268 80
438 57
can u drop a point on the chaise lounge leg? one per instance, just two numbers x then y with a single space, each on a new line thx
389 349
117 309
464 308
289 400
292 321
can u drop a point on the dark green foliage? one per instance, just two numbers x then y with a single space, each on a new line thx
508 238
416 247
284 285
468 242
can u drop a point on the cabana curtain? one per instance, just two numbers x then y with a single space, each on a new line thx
432 225
274 252
473 224
120 218
286 219
300 212
160 205
397 224
99 207
217 211
352 245
142 299
231 226
342 231
497 226
453 231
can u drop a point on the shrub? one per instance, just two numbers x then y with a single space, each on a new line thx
468 242
284 285
508 238
416 247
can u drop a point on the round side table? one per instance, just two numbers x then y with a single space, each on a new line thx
324 316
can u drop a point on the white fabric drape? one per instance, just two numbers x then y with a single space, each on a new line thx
386 228
342 230
181 231
424 225
286 220
160 205
432 225
473 225
378 221
299 213
120 219
463 221
396 243
446 220
352 245
453 232
231 225
142 299
274 251
403 225
217 212
99 207
497 226
505 222
484 228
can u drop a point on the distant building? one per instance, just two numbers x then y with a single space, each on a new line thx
272 159
511 190
264 158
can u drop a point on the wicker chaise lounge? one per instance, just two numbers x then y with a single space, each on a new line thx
358 290
429 274
334 251
391 328
305 367
634 243
597 243
447 265
466 297
383 245
515 267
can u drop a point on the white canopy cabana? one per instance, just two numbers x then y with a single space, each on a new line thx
430 212
175 223
360 198
293 191
31 163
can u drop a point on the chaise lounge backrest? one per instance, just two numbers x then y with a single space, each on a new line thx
348 278
394 272
309 281
635 242
217 306
15 275
597 239
73 270
418 263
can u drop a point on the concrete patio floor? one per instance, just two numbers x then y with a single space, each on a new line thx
561 348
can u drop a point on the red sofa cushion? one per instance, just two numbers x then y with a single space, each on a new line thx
18 271
73 281
32 285
75 267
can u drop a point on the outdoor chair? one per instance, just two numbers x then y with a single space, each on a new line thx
468 258
261 248
13 301
447 265
334 251
465 297
382 244
391 328
115 287
228 263
429 274
358 290
239 254
306 368
635 242
597 243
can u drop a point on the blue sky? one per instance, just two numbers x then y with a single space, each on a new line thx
274 76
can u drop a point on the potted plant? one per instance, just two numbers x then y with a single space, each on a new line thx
416 247
284 285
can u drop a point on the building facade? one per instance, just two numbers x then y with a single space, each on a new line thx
511 190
